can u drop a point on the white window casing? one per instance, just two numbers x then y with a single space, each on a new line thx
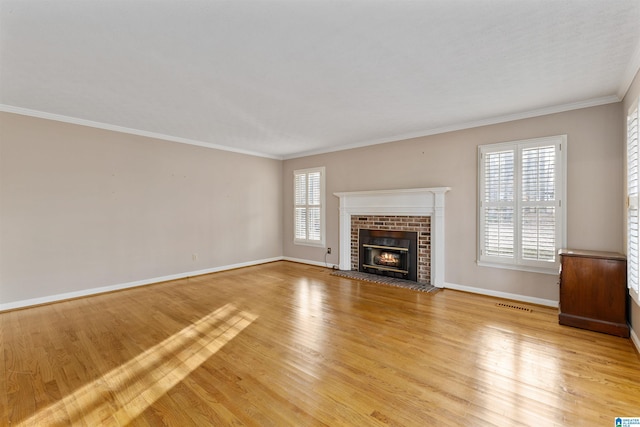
309 206
521 209
633 241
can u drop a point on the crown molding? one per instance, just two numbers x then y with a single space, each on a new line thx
105 126
468 125
399 137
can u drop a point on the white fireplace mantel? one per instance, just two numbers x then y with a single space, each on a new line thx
410 202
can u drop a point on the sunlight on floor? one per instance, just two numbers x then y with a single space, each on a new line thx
518 366
125 392
310 329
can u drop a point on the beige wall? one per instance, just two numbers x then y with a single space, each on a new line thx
83 208
632 94
594 201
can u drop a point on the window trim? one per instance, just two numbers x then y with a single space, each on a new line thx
634 200
308 242
517 263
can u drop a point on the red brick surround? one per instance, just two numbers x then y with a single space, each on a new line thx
419 224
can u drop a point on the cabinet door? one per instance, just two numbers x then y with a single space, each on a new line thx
593 294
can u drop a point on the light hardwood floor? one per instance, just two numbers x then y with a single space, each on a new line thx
286 344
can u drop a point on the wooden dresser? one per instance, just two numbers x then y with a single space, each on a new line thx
593 291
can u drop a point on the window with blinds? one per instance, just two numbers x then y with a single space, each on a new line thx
521 217
498 206
309 206
633 252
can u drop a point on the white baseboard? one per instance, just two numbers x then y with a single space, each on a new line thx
94 291
550 303
316 263
635 340
505 295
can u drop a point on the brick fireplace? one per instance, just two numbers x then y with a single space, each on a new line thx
418 224
417 209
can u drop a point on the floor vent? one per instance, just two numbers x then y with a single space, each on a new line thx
514 307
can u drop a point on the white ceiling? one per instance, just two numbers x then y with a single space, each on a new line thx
284 78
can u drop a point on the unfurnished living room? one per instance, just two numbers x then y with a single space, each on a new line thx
319 213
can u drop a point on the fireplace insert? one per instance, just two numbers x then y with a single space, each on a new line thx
389 253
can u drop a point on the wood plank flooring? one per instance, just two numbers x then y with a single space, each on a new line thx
287 344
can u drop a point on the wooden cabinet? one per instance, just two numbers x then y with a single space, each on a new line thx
593 291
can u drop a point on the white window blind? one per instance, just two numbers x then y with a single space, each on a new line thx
633 242
498 205
538 203
521 218
309 206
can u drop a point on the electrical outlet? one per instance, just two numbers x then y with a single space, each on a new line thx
194 257
328 250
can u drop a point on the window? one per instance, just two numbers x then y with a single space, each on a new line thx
632 201
521 212
309 206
